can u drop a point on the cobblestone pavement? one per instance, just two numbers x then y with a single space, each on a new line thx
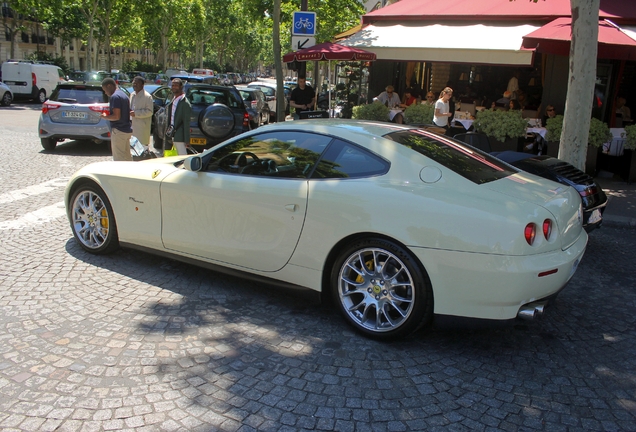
135 342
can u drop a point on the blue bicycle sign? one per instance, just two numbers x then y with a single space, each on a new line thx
304 23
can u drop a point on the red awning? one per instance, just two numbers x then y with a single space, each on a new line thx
554 38
329 51
492 10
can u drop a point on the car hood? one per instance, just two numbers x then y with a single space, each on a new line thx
562 201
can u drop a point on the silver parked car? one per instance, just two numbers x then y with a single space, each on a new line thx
74 111
6 95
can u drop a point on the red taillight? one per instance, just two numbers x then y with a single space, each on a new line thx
48 106
530 232
100 109
547 229
246 120
34 79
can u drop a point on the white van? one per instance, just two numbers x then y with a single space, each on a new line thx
208 72
31 80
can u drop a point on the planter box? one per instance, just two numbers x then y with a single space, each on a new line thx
591 160
629 164
553 148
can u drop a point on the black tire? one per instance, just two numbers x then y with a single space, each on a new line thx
92 220
381 289
48 144
6 99
42 96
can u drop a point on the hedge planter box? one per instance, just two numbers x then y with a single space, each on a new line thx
553 148
630 165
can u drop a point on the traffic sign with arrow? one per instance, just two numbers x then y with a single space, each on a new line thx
300 42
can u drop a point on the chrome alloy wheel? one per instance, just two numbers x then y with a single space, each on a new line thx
376 289
91 220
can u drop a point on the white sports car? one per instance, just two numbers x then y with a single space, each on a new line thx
401 226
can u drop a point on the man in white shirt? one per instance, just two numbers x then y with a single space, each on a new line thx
141 110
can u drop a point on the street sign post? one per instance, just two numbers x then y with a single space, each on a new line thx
300 42
304 23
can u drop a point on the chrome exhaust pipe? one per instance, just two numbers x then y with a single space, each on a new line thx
531 311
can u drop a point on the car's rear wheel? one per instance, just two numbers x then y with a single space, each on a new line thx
42 96
381 289
48 143
92 220
6 99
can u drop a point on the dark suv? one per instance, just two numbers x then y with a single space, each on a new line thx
218 113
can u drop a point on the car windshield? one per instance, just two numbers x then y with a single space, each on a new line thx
466 161
80 95
205 96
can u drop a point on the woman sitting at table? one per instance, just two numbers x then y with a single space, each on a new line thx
550 112
430 99
513 105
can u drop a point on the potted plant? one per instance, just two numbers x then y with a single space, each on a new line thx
376 111
630 151
506 127
599 134
419 114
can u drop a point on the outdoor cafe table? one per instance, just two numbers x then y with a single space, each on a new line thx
464 122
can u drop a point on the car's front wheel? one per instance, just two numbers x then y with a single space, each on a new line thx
92 220
48 144
381 289
6 99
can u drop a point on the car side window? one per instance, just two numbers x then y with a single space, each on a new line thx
345 160
283 154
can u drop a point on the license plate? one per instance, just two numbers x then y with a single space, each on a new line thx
594 217
74 114
198 141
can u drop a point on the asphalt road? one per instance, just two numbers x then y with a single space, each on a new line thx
135 342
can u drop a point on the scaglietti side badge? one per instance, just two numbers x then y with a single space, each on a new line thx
155 173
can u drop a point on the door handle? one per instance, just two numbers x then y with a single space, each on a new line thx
291 207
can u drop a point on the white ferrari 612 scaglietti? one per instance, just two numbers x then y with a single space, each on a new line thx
400 225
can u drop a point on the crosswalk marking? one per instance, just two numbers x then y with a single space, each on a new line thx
38 189
38 217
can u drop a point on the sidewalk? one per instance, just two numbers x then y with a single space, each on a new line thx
621 206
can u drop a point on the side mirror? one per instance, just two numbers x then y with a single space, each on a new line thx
193 163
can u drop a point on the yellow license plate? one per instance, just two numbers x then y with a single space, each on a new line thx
198 141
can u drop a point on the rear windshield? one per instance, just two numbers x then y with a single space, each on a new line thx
79 94
468 162
208 96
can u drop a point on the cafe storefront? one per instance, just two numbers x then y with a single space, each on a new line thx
476 47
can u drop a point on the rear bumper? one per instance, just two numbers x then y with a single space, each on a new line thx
495 287
61 131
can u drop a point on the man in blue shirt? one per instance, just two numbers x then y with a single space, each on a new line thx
120 123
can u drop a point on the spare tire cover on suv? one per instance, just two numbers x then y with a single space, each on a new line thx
217 121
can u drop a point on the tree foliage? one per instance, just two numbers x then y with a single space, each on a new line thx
236 33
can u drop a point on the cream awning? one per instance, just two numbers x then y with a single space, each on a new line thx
485 44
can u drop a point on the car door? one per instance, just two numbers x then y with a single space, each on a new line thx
247 206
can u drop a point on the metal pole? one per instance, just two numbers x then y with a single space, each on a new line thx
302 68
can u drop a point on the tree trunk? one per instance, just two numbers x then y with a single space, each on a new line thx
581 80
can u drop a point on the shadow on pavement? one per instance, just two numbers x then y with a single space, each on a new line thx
80 148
